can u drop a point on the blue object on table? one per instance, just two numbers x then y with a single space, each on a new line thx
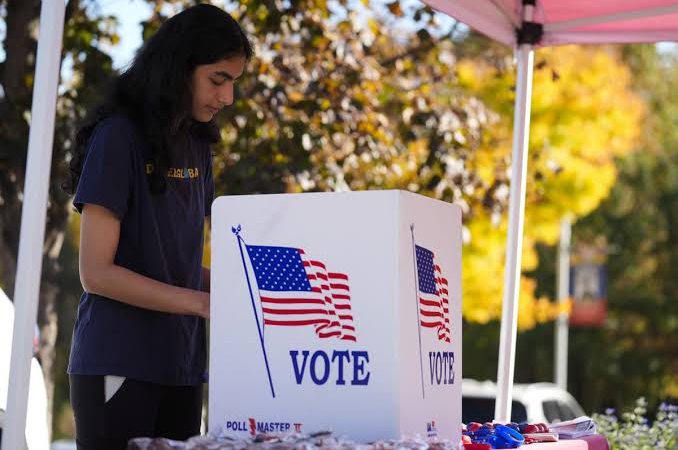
506 437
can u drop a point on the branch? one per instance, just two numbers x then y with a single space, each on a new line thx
421 48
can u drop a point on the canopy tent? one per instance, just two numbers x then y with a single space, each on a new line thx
571 21
539 22
525 24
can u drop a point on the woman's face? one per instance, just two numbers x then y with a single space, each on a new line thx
212 86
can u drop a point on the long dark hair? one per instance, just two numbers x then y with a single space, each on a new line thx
155 91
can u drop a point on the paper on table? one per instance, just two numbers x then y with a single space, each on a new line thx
541 437
575 428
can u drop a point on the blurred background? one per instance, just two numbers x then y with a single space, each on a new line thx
371 94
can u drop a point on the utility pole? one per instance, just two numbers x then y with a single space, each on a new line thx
562 294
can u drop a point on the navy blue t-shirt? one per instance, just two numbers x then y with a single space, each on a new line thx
161 237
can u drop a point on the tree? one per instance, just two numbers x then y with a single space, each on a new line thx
635 350
583 115
639 221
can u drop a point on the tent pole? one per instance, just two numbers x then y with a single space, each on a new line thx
509 318
34 211
562 292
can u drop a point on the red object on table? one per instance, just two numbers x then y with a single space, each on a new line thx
473 426
532 428
593 442
477 447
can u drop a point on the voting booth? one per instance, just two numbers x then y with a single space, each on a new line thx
336 311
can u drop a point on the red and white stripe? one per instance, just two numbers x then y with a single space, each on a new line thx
293 308
327 306
434 309
335 292
443 290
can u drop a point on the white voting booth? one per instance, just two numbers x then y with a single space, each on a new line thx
336 311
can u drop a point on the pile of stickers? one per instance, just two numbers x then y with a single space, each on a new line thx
292 441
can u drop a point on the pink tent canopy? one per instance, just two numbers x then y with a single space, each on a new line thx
526 24
570 21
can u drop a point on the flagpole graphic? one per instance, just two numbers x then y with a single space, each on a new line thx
236 232
416 304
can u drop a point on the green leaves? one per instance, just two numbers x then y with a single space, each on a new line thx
320 94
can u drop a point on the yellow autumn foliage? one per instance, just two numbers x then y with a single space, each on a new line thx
583 115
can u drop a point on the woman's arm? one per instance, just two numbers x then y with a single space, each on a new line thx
99 234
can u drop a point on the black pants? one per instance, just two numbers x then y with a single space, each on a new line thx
137 409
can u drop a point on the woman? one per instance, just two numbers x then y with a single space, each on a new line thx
143 174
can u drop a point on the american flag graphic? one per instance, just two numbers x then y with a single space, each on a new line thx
434 300
298 291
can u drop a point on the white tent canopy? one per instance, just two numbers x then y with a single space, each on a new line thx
525 24
549 22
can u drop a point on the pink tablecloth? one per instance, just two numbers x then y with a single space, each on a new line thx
595 442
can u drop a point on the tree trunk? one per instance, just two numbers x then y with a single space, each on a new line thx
7 256
47 315
18 45
47 323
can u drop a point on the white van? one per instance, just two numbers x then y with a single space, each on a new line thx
37 431
534 402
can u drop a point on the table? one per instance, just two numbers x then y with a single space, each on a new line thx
594 442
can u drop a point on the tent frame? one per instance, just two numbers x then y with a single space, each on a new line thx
33 214
528 34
